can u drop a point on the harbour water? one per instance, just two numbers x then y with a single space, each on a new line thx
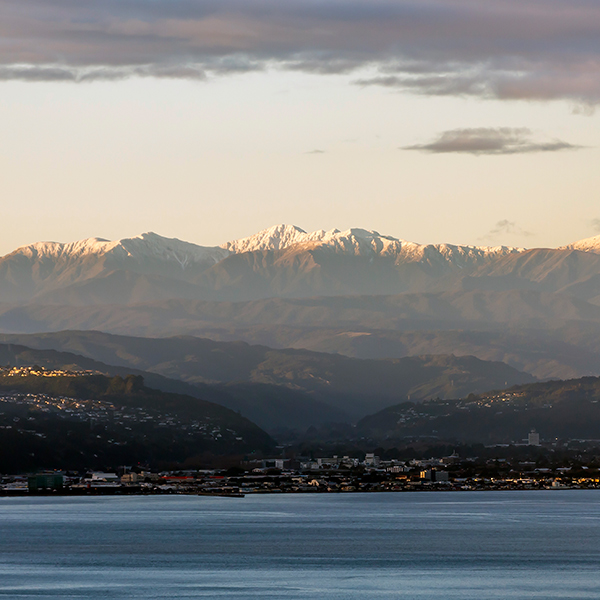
447 546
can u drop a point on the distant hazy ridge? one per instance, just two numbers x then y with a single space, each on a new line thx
356 292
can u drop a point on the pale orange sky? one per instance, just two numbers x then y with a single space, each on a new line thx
216 159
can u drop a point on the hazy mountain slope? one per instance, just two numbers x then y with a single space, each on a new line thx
447 310
322 290
570 271
352 386
548 335
281 261
118 287
561 353
572 350
301 273
286 262
48 266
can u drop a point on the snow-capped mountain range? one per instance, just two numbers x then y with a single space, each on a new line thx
284 261
360 242
147 245
357 242
591 244
353 292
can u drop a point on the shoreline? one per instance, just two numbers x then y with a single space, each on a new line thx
96 493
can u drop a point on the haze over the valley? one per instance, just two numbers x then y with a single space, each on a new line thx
357 293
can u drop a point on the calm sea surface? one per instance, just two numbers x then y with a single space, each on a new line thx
472 545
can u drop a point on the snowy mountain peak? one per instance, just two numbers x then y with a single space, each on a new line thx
591 244
281 237
362 242
156 246
57 250
274 238
140 248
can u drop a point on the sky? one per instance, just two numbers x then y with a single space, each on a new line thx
455 121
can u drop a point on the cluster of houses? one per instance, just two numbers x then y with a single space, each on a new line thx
36 371
105 411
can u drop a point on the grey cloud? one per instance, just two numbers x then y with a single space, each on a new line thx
508 49
60 73
596 225
502 140
324 66
447 84
504 228
34 73
524 83
316 152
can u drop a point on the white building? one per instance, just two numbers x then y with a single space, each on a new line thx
371 460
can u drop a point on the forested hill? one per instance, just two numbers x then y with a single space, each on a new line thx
94 421
558 410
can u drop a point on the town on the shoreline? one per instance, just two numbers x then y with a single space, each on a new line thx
70 440
321 475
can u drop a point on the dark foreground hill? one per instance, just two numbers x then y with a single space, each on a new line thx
259 381
94 421
557 410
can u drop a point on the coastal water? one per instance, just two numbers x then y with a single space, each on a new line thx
472 545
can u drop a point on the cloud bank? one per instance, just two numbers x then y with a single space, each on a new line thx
507 49
503 140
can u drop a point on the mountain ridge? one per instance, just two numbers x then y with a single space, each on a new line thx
168 248
287 287
591 244
356 241
282 261
277 237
